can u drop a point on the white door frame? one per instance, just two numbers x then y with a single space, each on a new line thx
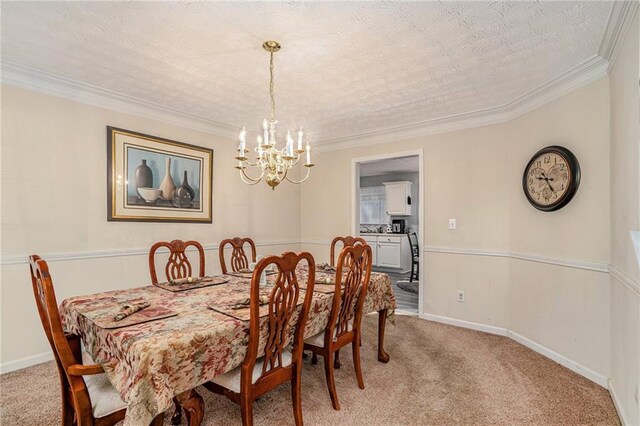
355 205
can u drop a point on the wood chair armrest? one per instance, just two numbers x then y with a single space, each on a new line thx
85 370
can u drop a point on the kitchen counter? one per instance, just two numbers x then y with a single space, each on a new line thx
379 233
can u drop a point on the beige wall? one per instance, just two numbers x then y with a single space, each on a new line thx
625 217
54 201
475 176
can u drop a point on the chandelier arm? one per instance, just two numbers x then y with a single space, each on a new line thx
249 180
297 182
249 163
295 161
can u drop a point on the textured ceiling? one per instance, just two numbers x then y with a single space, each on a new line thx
391 165
345 68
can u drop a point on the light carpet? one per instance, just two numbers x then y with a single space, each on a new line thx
438 375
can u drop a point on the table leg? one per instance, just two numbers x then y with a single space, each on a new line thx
382 321
193 406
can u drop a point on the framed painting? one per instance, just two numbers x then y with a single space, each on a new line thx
151 179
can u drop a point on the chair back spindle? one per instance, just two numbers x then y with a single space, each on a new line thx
283 306
346 242
352 280
239 259
178 264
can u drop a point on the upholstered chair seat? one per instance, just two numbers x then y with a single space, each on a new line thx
318 339
105 399
231 379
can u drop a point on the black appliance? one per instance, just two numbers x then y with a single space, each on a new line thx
398 226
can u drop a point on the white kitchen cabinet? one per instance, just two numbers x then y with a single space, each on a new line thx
373 243
389 255
398 196
390 251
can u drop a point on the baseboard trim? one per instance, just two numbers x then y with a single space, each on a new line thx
616 403
491 329
57 257
560 359
537 347
29 361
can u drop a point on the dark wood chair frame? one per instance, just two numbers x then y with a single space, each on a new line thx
239 260
76 402
346 241
355 262
415 257
282 307
178 265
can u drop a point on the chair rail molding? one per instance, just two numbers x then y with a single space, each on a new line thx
57 257
625 280
569 263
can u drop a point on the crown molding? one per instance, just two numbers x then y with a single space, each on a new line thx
50 84
589 71
582 75
620 19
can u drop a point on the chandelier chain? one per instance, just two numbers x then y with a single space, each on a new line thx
273 100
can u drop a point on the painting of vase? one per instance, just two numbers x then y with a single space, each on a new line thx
167 186
144 177
155 179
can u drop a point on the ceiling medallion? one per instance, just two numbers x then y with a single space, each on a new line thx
274 164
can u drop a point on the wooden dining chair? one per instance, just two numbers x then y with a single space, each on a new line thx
415 257
239 260
352 280
88 398
178 264
281 360
346 241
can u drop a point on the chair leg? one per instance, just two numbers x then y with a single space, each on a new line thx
331 382
177 414
336 362
296 395
355 348
158 421
411 276
314 359
246 409
68 413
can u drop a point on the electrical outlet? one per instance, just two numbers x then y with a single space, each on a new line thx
461 296
452 224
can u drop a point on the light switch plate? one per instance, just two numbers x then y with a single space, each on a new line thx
452 224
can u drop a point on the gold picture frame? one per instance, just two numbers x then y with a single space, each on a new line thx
152 179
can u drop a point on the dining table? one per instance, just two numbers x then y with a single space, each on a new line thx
201 335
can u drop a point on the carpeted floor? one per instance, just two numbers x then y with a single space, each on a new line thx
438 375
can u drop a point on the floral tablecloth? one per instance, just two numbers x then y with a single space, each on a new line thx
150 363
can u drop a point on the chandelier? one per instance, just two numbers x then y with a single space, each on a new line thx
273 164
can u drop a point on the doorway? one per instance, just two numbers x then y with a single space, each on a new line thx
388 212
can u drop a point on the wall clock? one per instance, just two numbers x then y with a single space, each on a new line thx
551 178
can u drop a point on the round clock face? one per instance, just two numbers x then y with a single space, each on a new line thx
551 178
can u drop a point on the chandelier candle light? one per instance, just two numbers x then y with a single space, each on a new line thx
274 164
